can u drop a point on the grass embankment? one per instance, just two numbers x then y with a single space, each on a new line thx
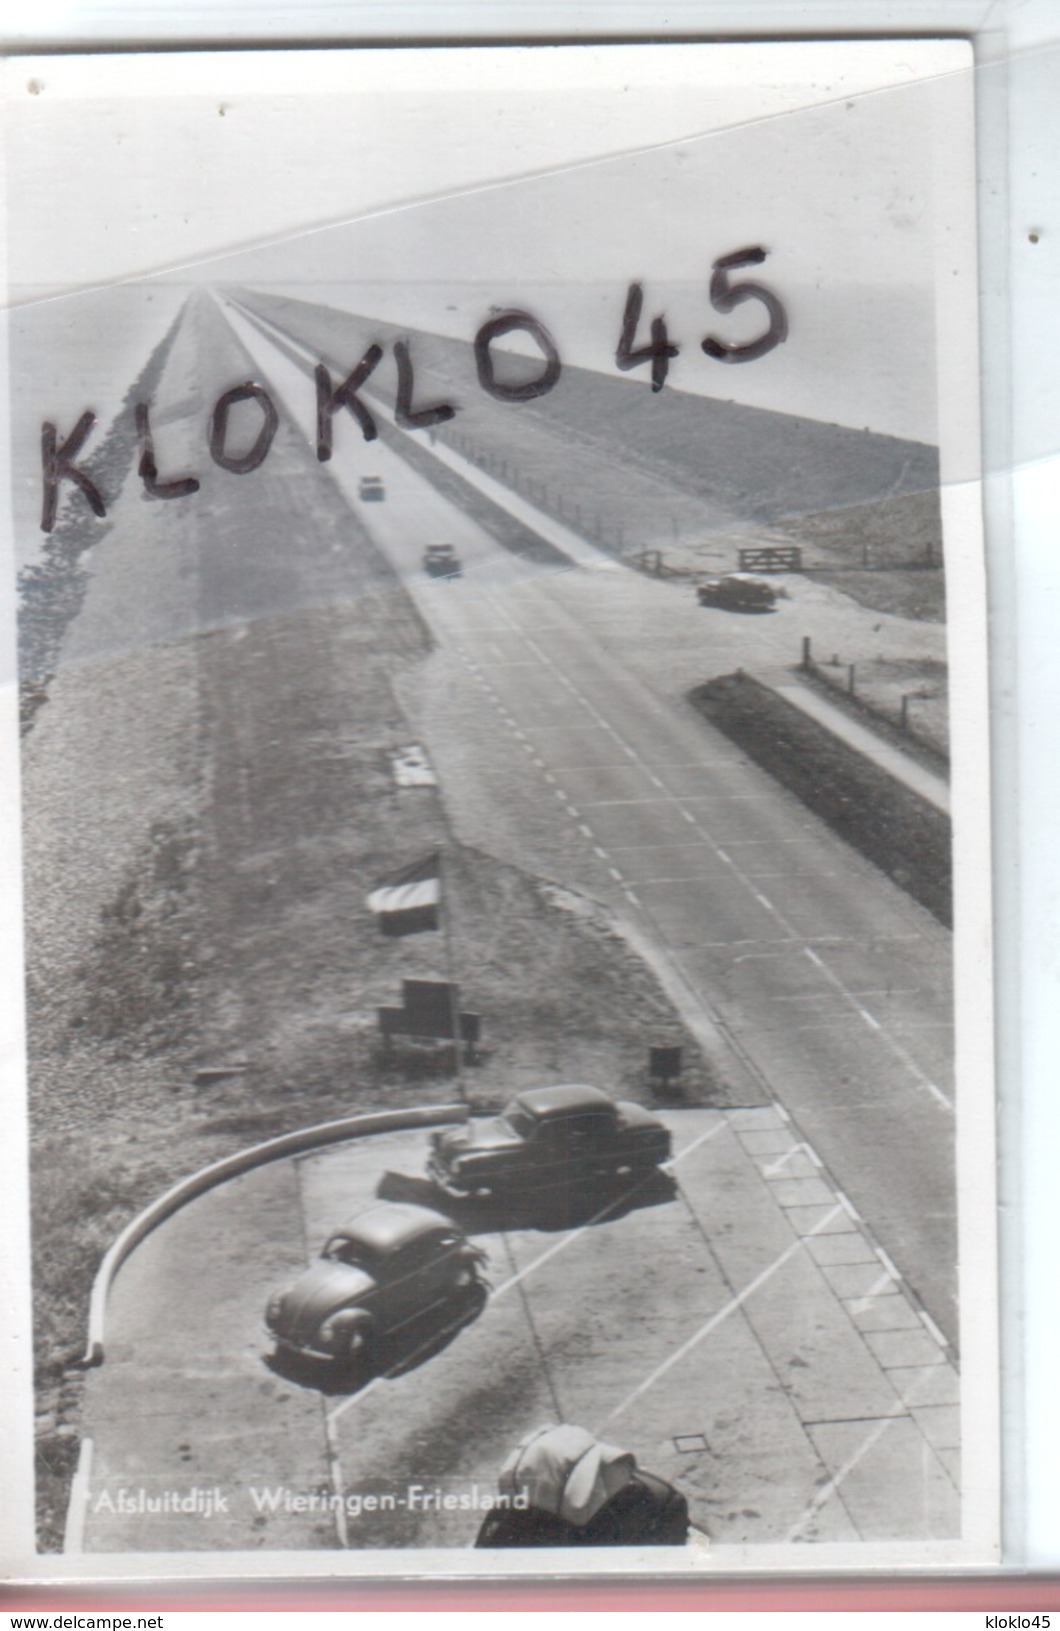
900 832
52 591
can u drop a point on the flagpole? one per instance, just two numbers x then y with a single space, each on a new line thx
454 994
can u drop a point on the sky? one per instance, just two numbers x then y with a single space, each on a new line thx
427 180
123 165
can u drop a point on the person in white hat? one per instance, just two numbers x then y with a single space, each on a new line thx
580 1492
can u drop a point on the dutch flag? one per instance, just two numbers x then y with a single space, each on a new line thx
408 902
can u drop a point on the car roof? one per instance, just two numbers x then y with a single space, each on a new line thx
557 1101
393 1224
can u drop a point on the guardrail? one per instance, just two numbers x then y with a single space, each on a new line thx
258 1155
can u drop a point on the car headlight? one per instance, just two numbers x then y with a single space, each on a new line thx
273 1310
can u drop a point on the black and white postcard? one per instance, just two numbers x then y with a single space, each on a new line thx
498 1037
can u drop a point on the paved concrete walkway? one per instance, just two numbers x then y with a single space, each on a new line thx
866 741
743 1334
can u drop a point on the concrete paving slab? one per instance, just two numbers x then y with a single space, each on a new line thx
819 1357
892 1483
951 1460
767 1141
686 885
712 775
820 1220
886 1286
816 1352
940 1425
869 743
219 1437
926 1384
756 1119
855 1279
793 1163
896 1349
801 1192
890 1313
633 824
448 1424
589 783
760 1464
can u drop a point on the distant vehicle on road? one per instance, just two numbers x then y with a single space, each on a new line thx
441 561
548 1135
372 490
738 592
389 1266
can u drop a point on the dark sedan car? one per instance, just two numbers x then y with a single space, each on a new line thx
385 1269
549 1135
738 592
441 561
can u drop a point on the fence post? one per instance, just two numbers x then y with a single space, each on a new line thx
850 679
807 661
905 713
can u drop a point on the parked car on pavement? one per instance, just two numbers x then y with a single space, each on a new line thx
372 490
389 1266
441 561
738 592
548 1135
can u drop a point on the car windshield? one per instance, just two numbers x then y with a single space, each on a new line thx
518 1119
343 1250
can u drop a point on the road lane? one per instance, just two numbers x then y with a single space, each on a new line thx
839 994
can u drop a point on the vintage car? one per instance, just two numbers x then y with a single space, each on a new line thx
441 561
738 592
388 1267
372 490
548 1135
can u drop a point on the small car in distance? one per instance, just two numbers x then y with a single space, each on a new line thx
548 1135
372 490
738 592
391 1265
441 561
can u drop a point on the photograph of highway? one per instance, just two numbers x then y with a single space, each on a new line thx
485 694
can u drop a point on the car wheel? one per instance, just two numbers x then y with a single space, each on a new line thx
357 1344
475 1298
